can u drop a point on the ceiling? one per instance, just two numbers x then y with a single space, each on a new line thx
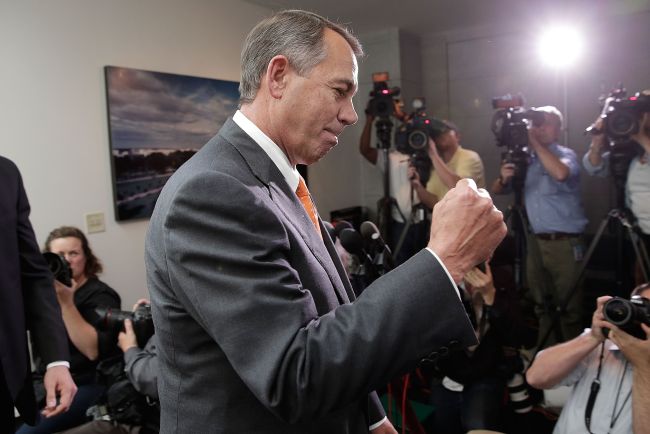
431 16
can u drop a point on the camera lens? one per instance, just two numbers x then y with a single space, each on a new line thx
617 311
418 139
621 124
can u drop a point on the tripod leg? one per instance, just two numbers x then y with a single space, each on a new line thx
640 252
542 341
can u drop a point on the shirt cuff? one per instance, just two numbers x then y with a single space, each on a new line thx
377 424
58 363
446 271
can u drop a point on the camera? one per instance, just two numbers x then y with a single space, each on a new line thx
59 267
113 320
511 120
510 127
382 102
622 114
628 315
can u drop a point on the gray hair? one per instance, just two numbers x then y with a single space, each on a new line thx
553 111
296 34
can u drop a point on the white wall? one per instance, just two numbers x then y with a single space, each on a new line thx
53 121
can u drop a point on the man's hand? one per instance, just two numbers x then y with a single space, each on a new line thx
384 428
466 228
58 383
433 149
598 319
482 282
637 351
507 172
414 177
127 339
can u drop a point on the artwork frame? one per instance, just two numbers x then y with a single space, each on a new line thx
156 121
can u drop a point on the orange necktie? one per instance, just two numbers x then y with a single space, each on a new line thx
305 198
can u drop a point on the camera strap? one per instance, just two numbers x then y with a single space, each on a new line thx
595 388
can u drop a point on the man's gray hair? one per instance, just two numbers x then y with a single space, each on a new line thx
552 110
296 34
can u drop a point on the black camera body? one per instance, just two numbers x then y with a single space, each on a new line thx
382 102
413 135
113 320
511 120
510 127
628 315
412 138
59 267
622 114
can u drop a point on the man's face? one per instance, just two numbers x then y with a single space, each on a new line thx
549 132
447 141
314 109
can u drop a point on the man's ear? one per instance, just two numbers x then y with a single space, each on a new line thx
277 74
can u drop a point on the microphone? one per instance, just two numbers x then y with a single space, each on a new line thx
370 231
383 255
352 242
340 225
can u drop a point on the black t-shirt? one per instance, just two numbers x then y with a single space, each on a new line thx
92 294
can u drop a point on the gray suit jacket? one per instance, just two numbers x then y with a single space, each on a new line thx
252 309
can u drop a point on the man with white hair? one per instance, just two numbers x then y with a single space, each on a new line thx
557 220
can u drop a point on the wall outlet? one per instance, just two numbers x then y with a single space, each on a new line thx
95 222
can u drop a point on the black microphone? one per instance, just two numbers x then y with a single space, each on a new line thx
352 242
384 257
371 232
340 225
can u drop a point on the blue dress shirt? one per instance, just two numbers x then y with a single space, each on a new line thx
553 206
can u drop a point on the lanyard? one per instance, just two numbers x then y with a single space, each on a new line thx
595 388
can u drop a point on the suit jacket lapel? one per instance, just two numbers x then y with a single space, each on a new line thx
289 205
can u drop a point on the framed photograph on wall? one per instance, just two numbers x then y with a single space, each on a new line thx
156 122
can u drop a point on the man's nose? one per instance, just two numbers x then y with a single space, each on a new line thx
347 115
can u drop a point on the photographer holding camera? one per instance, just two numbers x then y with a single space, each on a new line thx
557 221
610 373
399 189
86 342
451 163
132 402
467 385
637 178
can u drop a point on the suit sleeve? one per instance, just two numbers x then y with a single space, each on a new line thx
43 313
141 367
231 259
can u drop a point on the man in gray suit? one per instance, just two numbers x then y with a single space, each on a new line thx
258 328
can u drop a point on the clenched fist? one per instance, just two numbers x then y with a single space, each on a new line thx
465 228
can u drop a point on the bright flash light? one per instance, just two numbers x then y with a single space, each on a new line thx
560 47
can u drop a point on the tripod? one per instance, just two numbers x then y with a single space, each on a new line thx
387 203
417 215
622 218
515 217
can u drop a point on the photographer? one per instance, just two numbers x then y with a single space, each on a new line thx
451 163
400 190
141 369
637 182
468 386
557 221
621 365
